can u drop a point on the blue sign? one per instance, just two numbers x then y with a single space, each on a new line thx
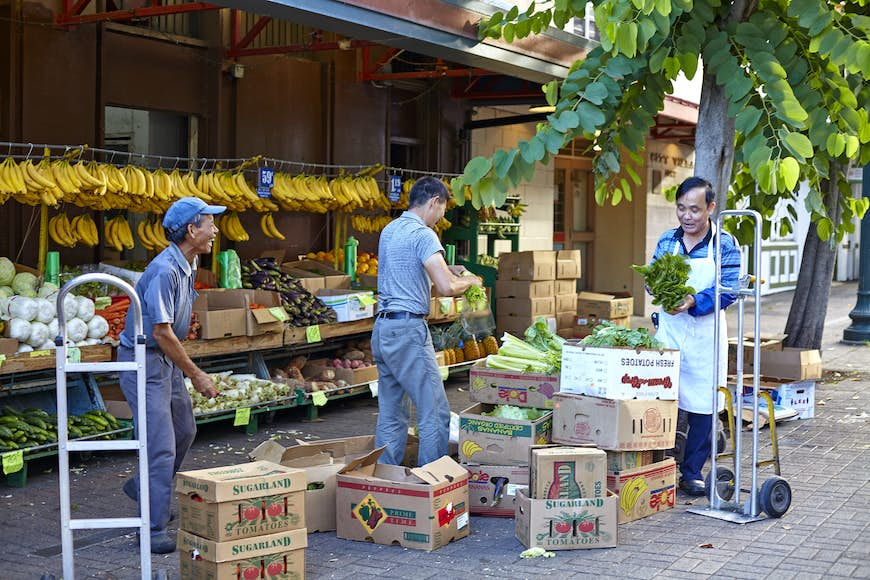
265 181
395 188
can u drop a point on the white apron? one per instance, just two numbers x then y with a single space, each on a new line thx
693 336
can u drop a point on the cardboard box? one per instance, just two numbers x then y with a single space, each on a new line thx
567 473
765 343
269 497
800 396
620 372
568 264
8 346
501 387
566 319
261 320
308 280
609 306
494 441
523 289
537 265
115 402
515 325
279 555
566 524
222 313
526 307
349 305
586 325
565 287
422 508
492 489
791 363
566 304
614 425
567 332
441 307
332 278
622 460
644 491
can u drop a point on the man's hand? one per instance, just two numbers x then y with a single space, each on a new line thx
688 302
204 385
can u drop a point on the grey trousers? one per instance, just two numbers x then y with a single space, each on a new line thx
407 371
171 427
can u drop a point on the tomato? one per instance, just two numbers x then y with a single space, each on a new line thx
275 568
252 513
251 572
274 510
563 527
586 526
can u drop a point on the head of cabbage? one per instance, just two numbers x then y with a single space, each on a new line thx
24 284
7 271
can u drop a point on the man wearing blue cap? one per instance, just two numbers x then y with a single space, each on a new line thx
166 294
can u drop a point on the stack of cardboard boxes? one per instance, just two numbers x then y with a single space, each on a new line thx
625 402
567 273
242 521
593 308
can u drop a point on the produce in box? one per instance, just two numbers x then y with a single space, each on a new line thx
303 308
666 279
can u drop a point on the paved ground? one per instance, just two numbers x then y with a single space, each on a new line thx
824 535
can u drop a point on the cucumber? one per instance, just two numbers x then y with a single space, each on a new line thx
5 432
7 410
35 421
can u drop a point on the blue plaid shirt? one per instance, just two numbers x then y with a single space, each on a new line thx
730 266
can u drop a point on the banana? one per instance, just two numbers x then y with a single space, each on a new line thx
90 229
159 234
109 235
469 448
126 233
267 225
142 234
35 178
149 183
61 179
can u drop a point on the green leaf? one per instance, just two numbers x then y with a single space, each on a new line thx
512 13
595 93
532 150
790 171
476 201
799 144
835 144
590 117
458 187
764 176
507 32
551 92
814 203
502 161
758 158
768 67
566 121
852 145
554 141
617 67
610 160
791 110
523 28
647 29
663 7
689 63
626 188
476 169
657 59
633 174
600 193
824 227
747 120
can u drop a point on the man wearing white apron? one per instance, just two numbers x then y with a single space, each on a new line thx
689 327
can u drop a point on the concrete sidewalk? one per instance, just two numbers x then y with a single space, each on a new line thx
825 534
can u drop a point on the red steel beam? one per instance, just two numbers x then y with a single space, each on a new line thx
450 72
283 49
250 36
148 12
77 9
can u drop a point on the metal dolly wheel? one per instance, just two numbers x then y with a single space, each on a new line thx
65 446
774 495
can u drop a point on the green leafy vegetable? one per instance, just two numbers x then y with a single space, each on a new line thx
539 336
476 297
610 334
517 355
666 279
518 413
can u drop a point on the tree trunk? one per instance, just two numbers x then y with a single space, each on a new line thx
714 140
806 317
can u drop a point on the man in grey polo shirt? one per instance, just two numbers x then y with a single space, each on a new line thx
410 259
166 293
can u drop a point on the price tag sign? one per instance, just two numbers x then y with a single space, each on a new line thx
367 300
278 313
74 355
39 353
243 417
373 387
395 188
312 333
2 360
13 462
102 302
318 398
265 182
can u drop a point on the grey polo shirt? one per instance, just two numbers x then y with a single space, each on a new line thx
166 294
403 284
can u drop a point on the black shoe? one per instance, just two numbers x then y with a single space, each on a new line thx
161 543
693 487
131 489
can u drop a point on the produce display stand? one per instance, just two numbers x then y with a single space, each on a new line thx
39 360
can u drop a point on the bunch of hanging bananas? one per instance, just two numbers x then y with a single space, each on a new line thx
268 227
152 235
117 234
303 193
365 224
630 493
68 233
231 227
357 192
229 188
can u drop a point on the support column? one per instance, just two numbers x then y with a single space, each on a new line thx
859 331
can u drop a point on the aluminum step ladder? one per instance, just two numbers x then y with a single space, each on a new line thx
65 446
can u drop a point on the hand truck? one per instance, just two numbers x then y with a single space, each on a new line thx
774 496
64 366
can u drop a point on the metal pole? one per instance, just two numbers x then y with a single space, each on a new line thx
859 331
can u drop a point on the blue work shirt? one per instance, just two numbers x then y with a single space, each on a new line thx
730 265
166 293
403 284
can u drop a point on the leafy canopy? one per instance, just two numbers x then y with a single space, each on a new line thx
794 74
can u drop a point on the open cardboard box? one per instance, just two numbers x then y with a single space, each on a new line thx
263 320
644 491
501 387
422 508
492 489
222 313
332 278
535 265
496 441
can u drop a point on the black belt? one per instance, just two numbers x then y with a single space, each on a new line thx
399 315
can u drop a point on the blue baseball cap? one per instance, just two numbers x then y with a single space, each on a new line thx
185 209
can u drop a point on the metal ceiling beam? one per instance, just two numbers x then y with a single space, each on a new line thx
364 24
72 15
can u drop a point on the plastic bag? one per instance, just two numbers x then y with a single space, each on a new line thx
231 269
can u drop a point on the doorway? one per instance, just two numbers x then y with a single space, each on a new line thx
574 213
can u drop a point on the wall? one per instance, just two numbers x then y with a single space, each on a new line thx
536 230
